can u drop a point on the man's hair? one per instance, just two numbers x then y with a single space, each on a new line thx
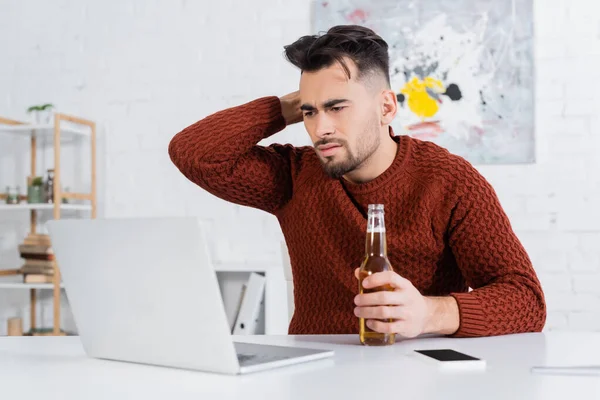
363 46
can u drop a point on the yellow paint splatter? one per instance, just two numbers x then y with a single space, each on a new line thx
419 101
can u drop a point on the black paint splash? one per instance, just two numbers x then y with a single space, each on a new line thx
453 91
401 98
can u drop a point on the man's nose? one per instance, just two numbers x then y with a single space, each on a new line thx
325 126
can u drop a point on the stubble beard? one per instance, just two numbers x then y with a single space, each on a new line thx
367 144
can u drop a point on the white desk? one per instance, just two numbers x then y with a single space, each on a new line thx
56 368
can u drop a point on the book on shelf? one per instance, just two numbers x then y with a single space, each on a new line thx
35 249
33 263
37 239
251 304
48 272
36 245
38 278
46 269
239 306
33 256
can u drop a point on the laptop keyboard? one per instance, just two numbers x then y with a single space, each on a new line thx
254 359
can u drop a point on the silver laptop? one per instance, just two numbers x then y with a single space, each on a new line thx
145 291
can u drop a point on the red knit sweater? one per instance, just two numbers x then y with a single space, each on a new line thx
446 230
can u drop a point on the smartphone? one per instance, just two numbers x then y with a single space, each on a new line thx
451 359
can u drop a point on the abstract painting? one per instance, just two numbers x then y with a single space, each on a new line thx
462 70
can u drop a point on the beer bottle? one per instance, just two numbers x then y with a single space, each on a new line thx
376 260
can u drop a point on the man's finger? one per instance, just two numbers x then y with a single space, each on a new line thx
403 328
381 298
384 327
356 271
380 312
386 278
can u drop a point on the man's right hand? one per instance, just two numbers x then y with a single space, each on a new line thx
290 108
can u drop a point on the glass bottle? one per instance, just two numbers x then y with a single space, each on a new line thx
375 260
49 187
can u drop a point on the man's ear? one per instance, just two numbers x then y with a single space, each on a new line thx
389 107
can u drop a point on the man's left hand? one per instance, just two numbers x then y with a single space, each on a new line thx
409 310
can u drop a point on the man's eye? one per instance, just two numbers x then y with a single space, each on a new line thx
308 114
336 109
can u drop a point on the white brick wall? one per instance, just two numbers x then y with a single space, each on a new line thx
145 69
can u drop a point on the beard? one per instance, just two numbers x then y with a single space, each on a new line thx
367 144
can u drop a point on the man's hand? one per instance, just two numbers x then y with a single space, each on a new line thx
290 108
412 313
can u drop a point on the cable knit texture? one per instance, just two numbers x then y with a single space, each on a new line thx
446 230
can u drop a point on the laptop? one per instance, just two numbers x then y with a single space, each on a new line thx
144 290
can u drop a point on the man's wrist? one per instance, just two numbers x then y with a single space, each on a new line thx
290 108
442 315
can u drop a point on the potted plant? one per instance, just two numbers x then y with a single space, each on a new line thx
42 113
35 190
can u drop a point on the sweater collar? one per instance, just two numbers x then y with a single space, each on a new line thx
396 167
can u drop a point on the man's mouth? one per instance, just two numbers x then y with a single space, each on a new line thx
327 150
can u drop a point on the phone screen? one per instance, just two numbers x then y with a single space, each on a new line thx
447 355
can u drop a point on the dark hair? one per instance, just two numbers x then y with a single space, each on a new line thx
363 46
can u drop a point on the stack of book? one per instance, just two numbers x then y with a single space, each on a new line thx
37 252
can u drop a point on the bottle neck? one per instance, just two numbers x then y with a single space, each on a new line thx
376 243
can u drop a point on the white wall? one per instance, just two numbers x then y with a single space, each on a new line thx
146 69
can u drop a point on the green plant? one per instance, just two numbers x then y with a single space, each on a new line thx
41 107
37 181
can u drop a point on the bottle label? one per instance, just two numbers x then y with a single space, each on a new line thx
376 229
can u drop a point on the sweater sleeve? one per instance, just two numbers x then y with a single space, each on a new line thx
507 296
220 153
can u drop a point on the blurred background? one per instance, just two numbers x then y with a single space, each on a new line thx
144 70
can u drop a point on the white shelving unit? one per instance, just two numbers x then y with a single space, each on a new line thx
275 300
63 129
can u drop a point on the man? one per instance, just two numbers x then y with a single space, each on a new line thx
446 231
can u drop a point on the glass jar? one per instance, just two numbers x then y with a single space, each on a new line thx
65 200
12 195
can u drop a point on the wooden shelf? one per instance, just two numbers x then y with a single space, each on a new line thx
44 206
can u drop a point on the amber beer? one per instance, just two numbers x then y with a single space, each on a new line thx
376 260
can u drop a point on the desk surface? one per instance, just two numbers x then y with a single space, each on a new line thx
56 367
